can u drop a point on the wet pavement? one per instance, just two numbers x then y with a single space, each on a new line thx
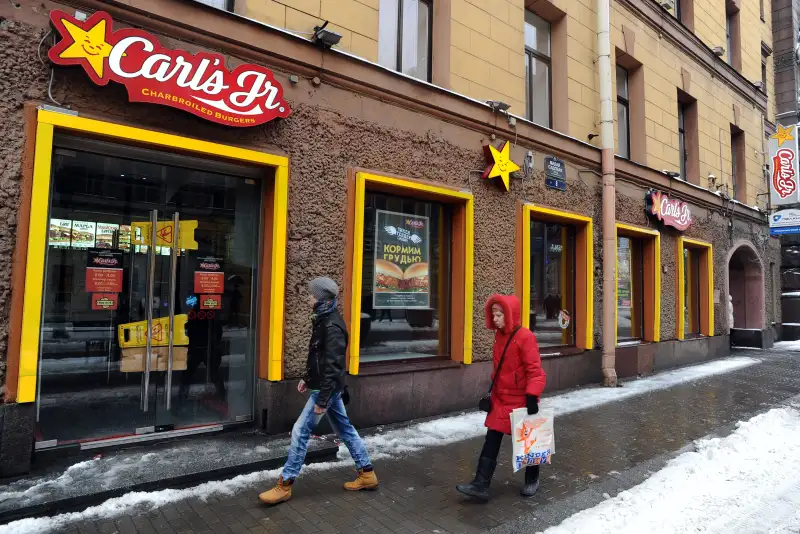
615 445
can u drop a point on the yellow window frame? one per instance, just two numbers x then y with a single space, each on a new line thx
654 300
365 181
706 286
47 123
584 275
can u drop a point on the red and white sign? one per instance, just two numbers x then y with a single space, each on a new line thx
784 181
670 211
103 280
105 301
198 83
205 282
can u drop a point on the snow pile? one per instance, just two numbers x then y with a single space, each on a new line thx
747 482
386 445
787 345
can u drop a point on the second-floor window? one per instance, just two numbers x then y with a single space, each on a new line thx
683 153
537 69
404 37
623 113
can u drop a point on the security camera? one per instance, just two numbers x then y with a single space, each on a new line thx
671 174
497 105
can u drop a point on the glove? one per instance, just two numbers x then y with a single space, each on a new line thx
533 404
345 396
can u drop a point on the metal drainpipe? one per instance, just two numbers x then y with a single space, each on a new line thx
609 193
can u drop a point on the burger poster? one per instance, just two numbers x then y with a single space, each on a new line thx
60 233
401 261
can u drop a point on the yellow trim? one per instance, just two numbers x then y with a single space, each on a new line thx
362 179
35 266
680 298
48 121
569 218
656 235
616 289
708 251
280 212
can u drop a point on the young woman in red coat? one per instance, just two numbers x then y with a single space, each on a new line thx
519 384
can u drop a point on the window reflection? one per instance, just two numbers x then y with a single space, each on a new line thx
552 312
630 289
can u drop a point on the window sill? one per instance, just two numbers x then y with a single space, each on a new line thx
557 352
393 368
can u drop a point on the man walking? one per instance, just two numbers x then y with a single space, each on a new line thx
324 377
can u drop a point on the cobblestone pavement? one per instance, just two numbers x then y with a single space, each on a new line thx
417 491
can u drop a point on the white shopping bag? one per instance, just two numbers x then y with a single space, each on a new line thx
532 436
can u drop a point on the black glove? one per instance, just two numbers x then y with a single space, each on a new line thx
533 404
345 396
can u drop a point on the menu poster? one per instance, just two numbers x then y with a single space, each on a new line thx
104 271
209 276
125 237
402 243
83 234
60 233
105 235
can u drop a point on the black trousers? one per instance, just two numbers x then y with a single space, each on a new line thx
491 448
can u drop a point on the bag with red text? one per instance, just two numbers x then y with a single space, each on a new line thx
532 437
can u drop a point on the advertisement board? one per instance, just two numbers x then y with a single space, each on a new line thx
402 249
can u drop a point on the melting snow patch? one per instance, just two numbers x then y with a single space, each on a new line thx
787 345
746 482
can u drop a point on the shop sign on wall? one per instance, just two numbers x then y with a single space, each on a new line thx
782 149
198 83
402 243
670 211
555 173
785 222
499 164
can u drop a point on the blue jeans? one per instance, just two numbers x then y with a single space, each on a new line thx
305 424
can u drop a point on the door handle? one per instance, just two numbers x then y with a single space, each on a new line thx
173 269
151 281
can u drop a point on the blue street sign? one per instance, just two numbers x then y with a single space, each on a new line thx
785 230
554 183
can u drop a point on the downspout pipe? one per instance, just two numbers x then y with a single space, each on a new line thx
609 192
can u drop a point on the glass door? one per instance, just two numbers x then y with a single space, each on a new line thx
150 293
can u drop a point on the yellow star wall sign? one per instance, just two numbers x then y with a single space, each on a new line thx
783 134
85 44
500 164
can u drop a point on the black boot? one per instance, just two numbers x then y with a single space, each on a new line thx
531 481
479 487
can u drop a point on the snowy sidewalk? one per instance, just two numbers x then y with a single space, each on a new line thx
600 432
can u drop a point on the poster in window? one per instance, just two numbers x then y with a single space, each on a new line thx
83 234
105 235
125 237
104 270
209 275
401 277
60 233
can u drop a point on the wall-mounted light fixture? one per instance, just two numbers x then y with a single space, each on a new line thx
325 38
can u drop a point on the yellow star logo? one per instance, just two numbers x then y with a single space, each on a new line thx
500 164
89 45
783 134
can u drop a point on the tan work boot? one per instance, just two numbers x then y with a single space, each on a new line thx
366 481
282 492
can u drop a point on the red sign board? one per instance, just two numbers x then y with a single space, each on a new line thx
105 301
783 176
670 211
103 280
198 83
210 302
205 282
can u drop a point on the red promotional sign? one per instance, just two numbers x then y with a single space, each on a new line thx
784 181
670 211
105 301
198 83
205 282
210 302
103 280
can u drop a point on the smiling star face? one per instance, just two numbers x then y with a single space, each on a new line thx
90 45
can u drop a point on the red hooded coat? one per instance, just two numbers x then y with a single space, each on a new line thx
522 372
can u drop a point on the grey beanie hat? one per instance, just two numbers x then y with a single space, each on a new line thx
323 288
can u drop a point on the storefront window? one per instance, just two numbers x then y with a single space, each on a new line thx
630 289
552 311
691 288
406 276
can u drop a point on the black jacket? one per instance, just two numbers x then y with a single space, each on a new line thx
325 367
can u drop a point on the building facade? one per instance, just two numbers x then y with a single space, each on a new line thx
786 37
171 187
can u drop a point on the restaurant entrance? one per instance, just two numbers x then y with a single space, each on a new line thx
148 318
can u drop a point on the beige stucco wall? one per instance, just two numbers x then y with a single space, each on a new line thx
487 62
